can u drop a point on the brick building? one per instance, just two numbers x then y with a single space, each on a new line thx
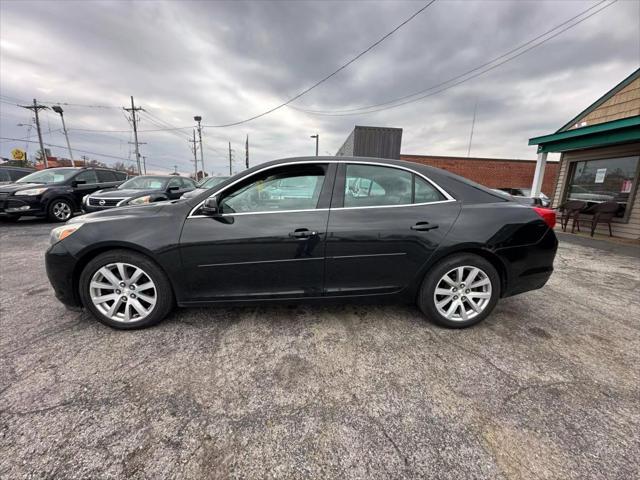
491 172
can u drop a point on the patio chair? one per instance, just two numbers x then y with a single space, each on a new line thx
603 213
569 210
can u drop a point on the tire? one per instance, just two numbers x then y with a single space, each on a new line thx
134 298
59 210
465 306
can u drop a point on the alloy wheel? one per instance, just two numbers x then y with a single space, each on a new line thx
462 293
62 211
123 292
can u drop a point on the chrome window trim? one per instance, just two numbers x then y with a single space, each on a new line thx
448 197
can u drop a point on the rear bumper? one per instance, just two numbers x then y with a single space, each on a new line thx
529 267
60 265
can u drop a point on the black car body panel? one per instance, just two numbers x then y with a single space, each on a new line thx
329 252
70 189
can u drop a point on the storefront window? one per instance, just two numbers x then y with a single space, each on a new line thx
606 180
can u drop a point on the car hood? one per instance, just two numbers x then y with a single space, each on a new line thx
14 187
122 193
144 210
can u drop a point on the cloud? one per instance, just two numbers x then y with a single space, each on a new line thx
230 60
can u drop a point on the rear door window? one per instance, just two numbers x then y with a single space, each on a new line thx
425 192
372 185
104 176
88 176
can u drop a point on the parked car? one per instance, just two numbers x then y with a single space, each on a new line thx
55 193
427 236
541 199
139 191
9 173
205 184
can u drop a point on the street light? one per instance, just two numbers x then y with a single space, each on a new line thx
198 119
317 137
58 109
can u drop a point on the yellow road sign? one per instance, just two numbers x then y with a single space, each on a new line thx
18 154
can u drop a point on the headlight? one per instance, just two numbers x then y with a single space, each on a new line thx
60 233
31 191
140 200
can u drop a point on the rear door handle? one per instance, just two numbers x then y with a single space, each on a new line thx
303 233
424 226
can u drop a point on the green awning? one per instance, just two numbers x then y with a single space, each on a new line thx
625 130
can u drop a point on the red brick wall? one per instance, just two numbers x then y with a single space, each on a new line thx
492 172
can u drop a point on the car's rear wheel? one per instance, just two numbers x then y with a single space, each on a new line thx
125 290
60 210
460 291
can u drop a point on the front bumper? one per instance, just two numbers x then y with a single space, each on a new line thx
60 265
21 205
93 208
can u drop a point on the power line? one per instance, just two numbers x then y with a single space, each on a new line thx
66 104
106 155
324 79
372 108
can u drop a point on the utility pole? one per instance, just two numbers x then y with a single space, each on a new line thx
58 110
36 108
198 119
473 123
230 161
144 164
133 111
246 152
317 137
194 149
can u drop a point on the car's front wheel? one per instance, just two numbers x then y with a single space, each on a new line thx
460 291
125 290
60 210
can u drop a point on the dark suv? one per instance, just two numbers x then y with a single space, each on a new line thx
55 193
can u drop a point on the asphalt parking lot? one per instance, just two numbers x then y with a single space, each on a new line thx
548 387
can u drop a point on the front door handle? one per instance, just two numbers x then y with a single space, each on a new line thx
424 226
303 233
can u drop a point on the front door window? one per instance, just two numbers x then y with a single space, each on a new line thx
288 188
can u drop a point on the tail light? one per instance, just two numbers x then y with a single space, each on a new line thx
548 215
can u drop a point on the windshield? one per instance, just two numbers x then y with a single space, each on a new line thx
144 183
53 175
211 182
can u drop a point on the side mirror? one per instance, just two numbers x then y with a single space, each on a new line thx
78 182
173 188
210 207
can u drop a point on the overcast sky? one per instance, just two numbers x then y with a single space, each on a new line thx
230 60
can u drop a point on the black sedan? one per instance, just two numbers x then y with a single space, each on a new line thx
139 191
344 229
